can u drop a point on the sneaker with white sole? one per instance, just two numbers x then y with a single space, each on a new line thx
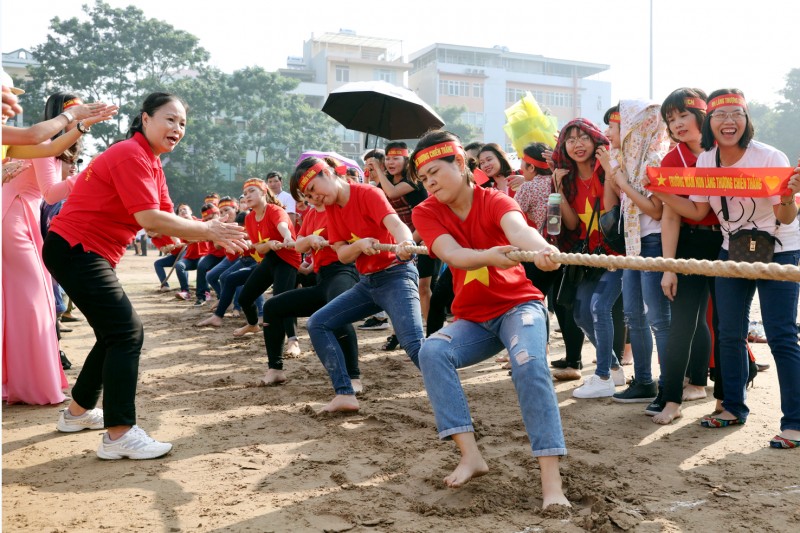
135 444
637 392
183 295
618 377
595 387
91 419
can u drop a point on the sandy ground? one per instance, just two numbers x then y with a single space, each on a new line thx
249 458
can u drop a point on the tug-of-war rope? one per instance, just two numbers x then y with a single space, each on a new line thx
700 267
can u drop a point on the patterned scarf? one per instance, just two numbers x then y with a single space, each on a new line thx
644 143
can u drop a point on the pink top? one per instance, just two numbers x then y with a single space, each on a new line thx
42 180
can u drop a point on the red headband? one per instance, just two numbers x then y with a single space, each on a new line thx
614 117
727 99
694 103
255 182
71 103
403 152
228 203
434 152
210 211
535 162
309 175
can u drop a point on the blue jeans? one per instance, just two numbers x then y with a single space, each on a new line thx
646 307
778 301
231 282
212 276
523 331
592 312
204 266
181 269
395 290
163 263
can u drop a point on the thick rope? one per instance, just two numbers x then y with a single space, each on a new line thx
725 269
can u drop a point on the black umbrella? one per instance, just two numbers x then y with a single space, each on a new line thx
382 109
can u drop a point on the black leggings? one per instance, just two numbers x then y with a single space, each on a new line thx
272 270
441 298
112 366
333 280
689 345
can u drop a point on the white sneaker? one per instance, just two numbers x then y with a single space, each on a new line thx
618 377
135 444
91 419
595 387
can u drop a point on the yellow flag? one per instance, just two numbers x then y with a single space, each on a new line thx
526 123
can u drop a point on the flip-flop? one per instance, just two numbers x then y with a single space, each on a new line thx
783 443
716 422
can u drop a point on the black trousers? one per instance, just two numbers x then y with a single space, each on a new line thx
274 271
441 298
332 280
689 345
112 366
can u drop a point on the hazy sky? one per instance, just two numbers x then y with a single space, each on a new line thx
750 45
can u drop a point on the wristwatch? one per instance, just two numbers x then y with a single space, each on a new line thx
82 128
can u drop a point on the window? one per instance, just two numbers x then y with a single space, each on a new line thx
514 95
342 73
473 119
477 90
454 88
384 75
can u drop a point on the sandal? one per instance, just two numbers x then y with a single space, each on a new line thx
784 443
716 422
391 343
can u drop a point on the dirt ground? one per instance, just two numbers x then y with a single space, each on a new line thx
249 458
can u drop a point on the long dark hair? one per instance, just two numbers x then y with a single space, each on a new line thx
54 107
505 165
151 104
561 158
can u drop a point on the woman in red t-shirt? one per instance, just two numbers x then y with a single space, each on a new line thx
333 278
690 342
580 180
358 217
123 190
471 229
493 161
269 228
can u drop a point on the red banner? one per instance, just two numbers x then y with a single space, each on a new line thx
748 182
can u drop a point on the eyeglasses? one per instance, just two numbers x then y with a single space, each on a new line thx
733 115
583 139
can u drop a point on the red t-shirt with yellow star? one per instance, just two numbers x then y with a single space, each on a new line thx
487 292
360 218
267 229
316 223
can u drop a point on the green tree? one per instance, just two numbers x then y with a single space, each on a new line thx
115 55
278 125
787 121
454 123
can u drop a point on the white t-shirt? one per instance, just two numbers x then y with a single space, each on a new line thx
288 202
749 213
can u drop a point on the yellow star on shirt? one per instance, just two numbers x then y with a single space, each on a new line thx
587 215
481 274
317 232
661 180
353 238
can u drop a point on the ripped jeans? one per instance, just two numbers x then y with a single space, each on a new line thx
523 331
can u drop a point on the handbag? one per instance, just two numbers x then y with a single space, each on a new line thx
751 246
611 229
748 245
573 275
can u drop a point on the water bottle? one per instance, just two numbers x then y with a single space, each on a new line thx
554 214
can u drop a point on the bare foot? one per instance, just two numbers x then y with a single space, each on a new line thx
292 348
501 359
357 386
213 320
555 499
627 355
341 403
465 471
693 392
670 412
273 377
244 330
235 313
